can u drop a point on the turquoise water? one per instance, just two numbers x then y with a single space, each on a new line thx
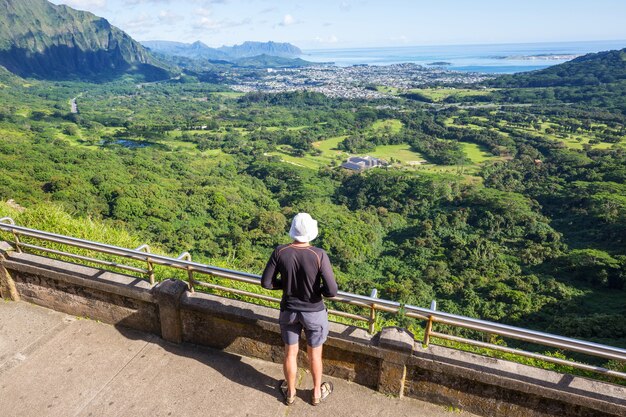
500 58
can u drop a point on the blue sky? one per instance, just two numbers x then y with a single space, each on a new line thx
320 24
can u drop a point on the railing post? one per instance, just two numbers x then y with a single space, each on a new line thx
146 249
168 294
398 344
187 256
372 322
8 290
9 220
17 243
429 324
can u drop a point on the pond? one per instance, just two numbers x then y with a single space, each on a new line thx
128 143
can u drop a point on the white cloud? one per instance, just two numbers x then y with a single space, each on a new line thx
328 39
207 23
203 11
135 2
167 17
288 20
399 39
212 25
138 24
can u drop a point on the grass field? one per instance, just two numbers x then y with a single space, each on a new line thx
440 94
573 140
450 123
476 154
390 125
469 173
227 94
329 146
401 152
387 90
290 128
308 161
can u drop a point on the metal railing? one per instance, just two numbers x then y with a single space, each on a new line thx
371 303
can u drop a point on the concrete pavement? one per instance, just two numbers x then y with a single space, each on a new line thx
53 364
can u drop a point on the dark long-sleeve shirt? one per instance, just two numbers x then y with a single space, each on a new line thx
305 276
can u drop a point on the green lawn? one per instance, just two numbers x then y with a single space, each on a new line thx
387 90
306 161
277 128
401 152
329 146
390 125
470 172
440 94
573 140
477 154
450 122
216 153
228 94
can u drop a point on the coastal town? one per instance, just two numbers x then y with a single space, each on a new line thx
353 82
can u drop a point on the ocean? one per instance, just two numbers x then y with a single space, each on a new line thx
497 58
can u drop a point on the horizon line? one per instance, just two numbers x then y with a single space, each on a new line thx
463 44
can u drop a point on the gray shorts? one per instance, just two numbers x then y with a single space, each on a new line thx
314 323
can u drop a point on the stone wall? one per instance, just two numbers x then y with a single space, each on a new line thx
390 361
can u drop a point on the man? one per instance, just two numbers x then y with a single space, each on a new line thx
305 276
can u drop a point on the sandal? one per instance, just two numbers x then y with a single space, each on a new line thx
326 388
284 388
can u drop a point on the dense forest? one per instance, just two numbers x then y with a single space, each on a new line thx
514 214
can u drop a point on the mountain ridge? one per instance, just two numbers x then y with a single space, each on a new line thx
42 40
587 70
199 50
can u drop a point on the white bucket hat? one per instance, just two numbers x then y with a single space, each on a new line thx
303 228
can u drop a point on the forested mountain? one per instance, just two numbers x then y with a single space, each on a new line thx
43 40
196 50
199 57
267 61
596 80
588 70
249 49
199 50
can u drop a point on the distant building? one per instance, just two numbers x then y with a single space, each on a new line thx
361 163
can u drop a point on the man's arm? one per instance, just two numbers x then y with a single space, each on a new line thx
268 279
329 289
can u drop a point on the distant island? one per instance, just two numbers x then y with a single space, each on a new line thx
440 63
540 57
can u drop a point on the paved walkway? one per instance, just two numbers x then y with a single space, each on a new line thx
53 364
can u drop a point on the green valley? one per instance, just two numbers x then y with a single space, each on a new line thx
507 213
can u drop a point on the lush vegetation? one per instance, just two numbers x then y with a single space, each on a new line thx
43 40
589 70
515 214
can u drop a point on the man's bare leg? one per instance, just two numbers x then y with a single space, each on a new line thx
315 365
290 368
